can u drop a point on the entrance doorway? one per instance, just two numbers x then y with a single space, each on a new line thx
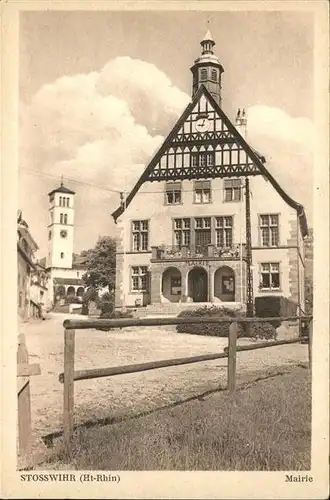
224 284
197 285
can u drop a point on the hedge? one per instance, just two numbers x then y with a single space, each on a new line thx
272 306
262 330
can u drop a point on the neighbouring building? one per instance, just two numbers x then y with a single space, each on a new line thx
26 266
65 269
38 291
206 222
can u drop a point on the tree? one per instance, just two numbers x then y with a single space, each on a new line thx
100 263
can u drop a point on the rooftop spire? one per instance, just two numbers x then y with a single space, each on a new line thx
207 43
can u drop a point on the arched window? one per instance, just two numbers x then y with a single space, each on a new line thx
203 74
61 218
62 255
49 235
68 202
65 218
60 201
214 75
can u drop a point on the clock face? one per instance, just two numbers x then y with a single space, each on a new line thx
63 233
202 125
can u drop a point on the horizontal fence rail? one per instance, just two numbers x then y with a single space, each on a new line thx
70 375
81 324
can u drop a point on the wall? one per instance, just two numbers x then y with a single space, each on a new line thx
23 285
264 200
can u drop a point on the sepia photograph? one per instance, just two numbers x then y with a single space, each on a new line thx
165 228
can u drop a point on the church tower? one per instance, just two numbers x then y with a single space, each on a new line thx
60 228
207 69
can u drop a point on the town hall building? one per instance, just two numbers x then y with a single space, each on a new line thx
206 222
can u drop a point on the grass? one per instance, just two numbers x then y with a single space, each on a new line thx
266 426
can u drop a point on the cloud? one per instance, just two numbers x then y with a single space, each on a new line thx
99 128
275 123
288 145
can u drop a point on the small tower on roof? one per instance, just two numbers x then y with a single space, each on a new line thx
60 227
207 69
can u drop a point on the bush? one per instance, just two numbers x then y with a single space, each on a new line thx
114 315
106 307
272 306
211 329
265 331
72 299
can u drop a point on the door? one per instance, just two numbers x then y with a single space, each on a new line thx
198 285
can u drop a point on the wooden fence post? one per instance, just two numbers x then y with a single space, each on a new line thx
23 401
310 343
232 338
69 341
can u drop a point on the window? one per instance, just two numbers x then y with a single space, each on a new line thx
214 75
232 188
203 74
60 201
175 285
139 278
49 235
140 233
270 276
224 231
63 218
182 232
68 202
269 230
202 190
173 193
204 159
62 255
77 274
202 231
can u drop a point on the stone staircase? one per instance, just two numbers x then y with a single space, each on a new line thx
174 308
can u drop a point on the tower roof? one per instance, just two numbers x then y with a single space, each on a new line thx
61 189
208 37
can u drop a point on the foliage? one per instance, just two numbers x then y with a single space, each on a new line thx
106 307
72 299
263 330
101 264
211 329
89 295
113 315
271 306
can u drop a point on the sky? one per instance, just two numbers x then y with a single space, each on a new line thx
100 91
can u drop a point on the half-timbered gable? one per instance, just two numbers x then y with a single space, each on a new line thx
206 222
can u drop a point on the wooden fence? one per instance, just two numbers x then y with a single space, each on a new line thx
70 375
24 371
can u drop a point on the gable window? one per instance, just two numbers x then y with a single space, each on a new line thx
203 74
140 234
202 191
202 231
181 232
270 276
204 159
173 193
232 189
224 231
139 276
269 230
